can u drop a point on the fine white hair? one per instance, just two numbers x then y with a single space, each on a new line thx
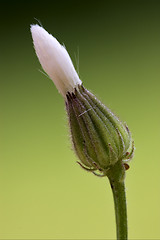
55 60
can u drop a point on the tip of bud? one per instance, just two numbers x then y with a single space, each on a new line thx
55 60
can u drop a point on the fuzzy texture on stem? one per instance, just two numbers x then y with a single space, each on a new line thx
55 60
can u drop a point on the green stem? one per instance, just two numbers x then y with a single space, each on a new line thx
116 175
118 189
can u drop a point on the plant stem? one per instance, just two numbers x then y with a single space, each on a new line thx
119 195
116 175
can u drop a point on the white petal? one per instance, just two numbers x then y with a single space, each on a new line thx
55 60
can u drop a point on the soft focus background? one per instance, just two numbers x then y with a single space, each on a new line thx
44 194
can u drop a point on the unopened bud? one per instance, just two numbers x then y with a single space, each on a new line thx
99 138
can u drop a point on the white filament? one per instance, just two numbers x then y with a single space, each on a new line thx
55 60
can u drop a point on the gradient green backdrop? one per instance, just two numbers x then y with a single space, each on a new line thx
44 194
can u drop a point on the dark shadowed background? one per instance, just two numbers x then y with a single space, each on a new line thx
44 194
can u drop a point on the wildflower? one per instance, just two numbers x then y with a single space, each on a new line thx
99 138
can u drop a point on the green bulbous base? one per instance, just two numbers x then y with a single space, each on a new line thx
99 138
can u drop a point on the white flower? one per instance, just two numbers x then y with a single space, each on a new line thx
55 60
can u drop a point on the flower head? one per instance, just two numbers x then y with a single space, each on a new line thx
99 138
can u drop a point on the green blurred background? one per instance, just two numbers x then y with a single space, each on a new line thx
44 194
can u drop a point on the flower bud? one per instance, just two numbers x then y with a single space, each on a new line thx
99 138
